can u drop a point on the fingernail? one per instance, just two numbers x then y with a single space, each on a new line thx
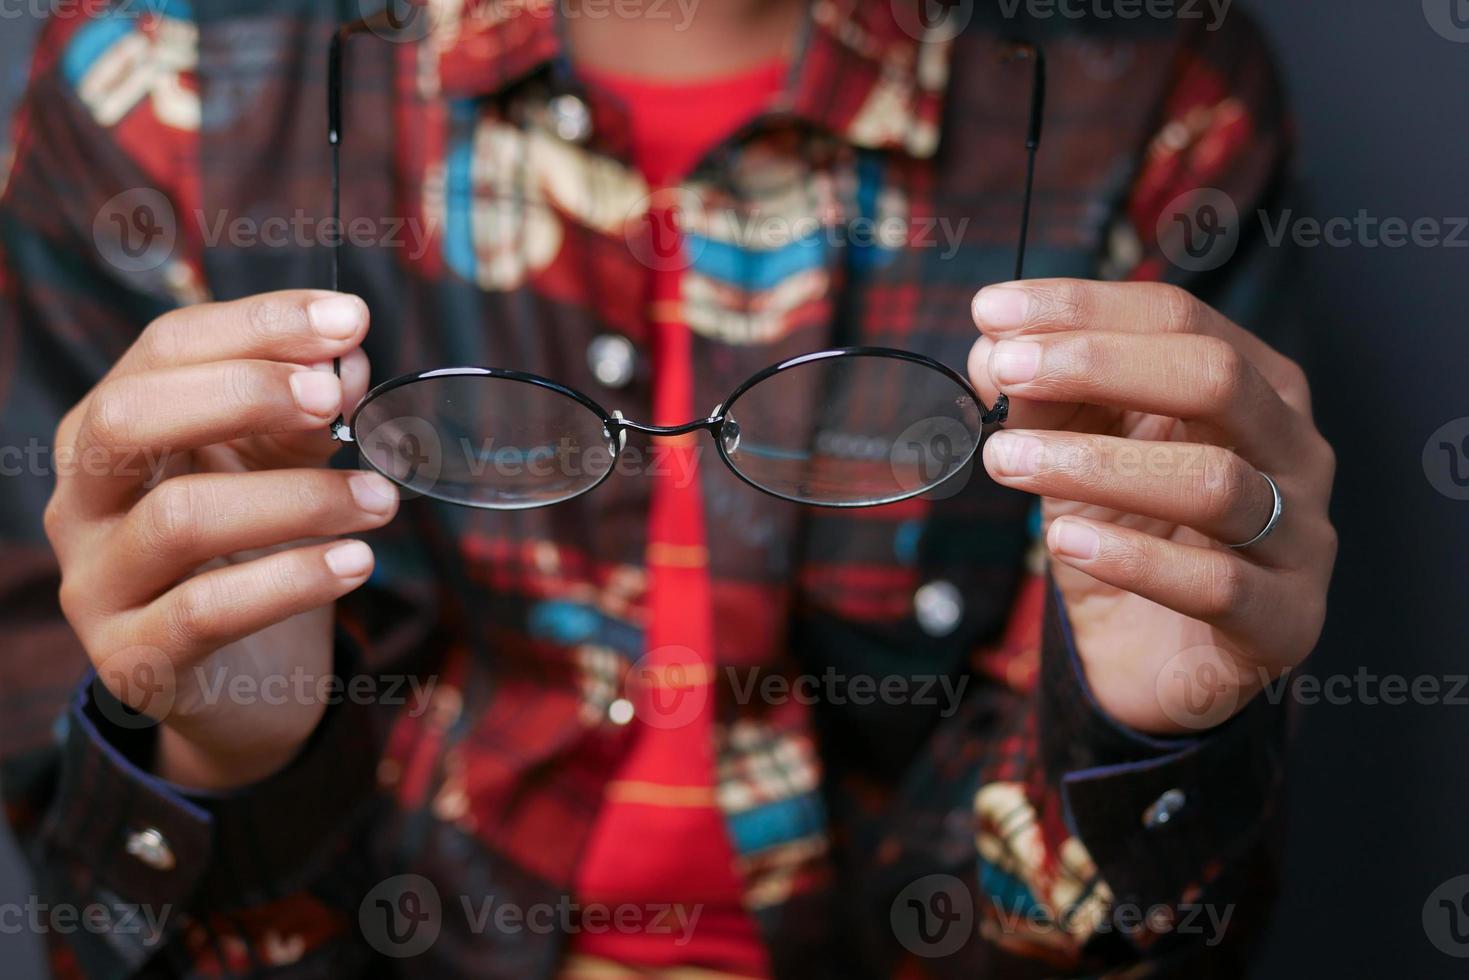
316 393
1015 362
373 493
1013 454
337 317
350 559
1075 540
1001 306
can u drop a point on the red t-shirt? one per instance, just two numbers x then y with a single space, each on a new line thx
661 837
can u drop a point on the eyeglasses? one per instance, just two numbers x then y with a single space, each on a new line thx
845 427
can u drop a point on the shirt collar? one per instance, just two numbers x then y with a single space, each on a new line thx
865 70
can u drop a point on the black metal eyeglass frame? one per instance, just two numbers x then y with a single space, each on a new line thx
617 427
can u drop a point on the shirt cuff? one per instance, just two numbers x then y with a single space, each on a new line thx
1159 816
123 829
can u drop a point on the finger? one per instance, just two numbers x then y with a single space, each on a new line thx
1024 413
1209 489
219 607
190 520
302 326
1038 306
152 415
1201 380
1212 585
314 445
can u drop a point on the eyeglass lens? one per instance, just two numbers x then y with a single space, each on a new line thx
468 438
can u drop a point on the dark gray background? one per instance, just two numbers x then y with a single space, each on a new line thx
1377 794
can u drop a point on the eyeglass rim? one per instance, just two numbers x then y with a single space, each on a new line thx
991 418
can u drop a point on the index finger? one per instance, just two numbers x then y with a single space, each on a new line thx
301 326
1006 310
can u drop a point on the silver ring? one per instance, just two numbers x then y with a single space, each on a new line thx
1275 513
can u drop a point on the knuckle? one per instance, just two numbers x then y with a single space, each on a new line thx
245 385
1327 453
1081 461
270 317
65 431
1061 302
109 420
72 598
189 617
317 499
173 517
287 579
1330 544
1174 307
163 342
1222 585
1133 564
1294 381
1226 482
1084 357
1225 372
53 521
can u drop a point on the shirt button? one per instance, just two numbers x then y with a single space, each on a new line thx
620 712
612 360
152 848
571 119
1164 809
939 607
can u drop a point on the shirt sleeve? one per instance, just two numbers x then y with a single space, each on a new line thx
1101 846
1130 844
91 251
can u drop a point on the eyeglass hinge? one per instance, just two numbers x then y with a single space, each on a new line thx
1001 411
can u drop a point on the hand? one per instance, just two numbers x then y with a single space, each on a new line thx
1144 420
226 568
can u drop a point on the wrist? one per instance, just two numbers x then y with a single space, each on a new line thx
194 766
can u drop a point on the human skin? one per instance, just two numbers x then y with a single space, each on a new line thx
229 567
1144 420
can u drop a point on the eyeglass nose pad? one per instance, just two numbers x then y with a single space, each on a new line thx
729 432
621 433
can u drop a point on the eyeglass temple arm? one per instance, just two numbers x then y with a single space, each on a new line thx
1032 142
384 20
339 429
997 414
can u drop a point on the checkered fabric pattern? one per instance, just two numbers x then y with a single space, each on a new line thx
499 240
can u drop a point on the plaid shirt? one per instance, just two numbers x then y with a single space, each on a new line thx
1015 832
